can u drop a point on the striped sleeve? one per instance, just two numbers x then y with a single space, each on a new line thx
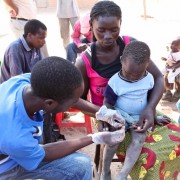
110 96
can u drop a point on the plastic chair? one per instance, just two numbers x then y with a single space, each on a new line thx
87 121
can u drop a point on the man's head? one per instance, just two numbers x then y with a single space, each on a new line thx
35 33
58 82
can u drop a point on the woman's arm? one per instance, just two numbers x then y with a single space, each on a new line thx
147 116
82 67
84 105
158 88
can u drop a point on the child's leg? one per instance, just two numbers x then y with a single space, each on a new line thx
109 152
168 87
132 153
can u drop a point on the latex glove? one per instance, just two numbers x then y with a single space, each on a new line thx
110 138
113 117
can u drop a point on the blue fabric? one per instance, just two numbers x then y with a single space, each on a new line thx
19 138
178 104
72 50
178 107
131 97
73 167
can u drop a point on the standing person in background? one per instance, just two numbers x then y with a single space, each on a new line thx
21 11
79 44
67 12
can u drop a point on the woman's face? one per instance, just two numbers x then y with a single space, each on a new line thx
106 30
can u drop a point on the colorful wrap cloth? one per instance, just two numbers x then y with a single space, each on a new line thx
160 156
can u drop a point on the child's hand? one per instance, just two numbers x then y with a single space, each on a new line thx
146 120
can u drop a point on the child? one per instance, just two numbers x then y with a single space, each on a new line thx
172 68
127 92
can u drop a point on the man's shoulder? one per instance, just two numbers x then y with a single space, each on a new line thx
15 44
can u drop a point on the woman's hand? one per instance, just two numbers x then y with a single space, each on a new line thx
160 120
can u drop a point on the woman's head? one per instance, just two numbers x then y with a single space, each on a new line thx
105 21
135 59
58 80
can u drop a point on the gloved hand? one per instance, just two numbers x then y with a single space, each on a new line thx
113 117
110 138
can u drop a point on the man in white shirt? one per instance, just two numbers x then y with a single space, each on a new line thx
67 12
20 12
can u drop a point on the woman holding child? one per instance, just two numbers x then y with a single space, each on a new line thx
158 159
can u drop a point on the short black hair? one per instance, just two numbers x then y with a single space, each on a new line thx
138 51
55 78
33 26
105 9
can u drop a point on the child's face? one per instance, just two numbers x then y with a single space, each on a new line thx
175 46
106 30
132 71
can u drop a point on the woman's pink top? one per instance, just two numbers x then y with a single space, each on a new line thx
97 83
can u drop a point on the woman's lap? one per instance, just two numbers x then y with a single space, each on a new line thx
160 156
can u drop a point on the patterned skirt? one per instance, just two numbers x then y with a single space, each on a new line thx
160 156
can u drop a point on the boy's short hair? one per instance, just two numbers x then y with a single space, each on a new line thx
33 26
138 51
55 78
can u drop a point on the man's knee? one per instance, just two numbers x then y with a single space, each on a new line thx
83 167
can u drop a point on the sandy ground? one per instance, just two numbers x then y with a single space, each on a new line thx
157 32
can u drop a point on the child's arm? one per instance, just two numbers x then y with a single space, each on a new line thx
176 65
107 104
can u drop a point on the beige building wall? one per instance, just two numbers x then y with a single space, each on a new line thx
83 4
